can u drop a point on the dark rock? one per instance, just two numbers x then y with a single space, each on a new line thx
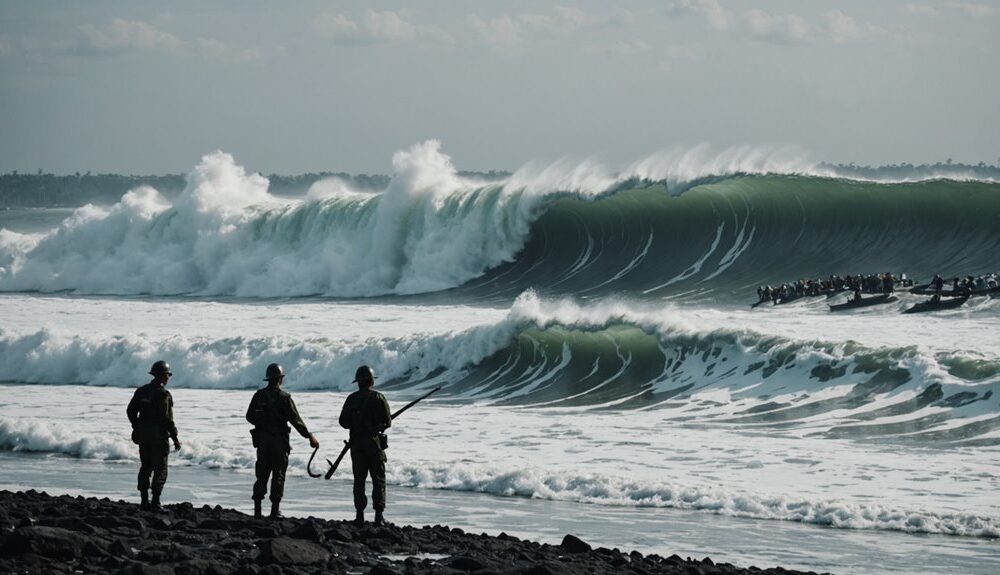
237 543
112 521
145 569
74 524
288 551
158 522
463 563
95 548
574 544
214 524
52 542
73 534
200 567
309 531
265 530
119 548
547 568
339 534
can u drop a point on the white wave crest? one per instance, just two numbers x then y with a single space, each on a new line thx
429 230
47 357
34 436
679 166
606 490
47 437
225 235
735 369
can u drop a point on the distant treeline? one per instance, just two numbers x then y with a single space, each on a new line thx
50 190
982 170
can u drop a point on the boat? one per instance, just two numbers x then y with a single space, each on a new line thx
943 303
953 293
864 302
834 292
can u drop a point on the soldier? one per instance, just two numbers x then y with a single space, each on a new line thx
366 413
151 413
270 411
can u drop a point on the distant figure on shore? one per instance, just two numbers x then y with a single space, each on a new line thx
366 413
857 295
938 282
888 283
151 413
270 411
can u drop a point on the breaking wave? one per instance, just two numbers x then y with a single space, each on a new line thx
604 490
33 436
672 224
559 355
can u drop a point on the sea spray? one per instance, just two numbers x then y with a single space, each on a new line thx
563 355
429 230
686 222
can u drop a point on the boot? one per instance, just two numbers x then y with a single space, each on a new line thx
359 519
276 510
257 513
144 503
380 520
155 504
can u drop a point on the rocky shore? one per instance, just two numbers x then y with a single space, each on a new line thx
40 533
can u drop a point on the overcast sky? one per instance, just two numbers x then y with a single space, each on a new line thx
291 87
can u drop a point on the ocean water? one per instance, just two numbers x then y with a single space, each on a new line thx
602 372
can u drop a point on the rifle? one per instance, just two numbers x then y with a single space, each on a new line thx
347 444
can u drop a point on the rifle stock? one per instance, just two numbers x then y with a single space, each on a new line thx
336 464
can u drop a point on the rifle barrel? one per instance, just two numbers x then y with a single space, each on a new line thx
414 402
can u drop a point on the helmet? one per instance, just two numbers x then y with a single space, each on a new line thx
274 371
364 374
160 367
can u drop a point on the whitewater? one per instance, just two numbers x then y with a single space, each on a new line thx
590 330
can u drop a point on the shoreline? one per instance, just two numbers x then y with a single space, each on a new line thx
66 534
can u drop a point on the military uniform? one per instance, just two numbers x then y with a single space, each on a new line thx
366 413
270 411
151 413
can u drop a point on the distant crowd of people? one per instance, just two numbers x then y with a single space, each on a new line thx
964 287
968 284
884 283
874 283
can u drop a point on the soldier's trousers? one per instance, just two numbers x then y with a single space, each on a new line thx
153 460
364 462
272 461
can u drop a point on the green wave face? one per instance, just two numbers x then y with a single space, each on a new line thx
728 236
737 378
